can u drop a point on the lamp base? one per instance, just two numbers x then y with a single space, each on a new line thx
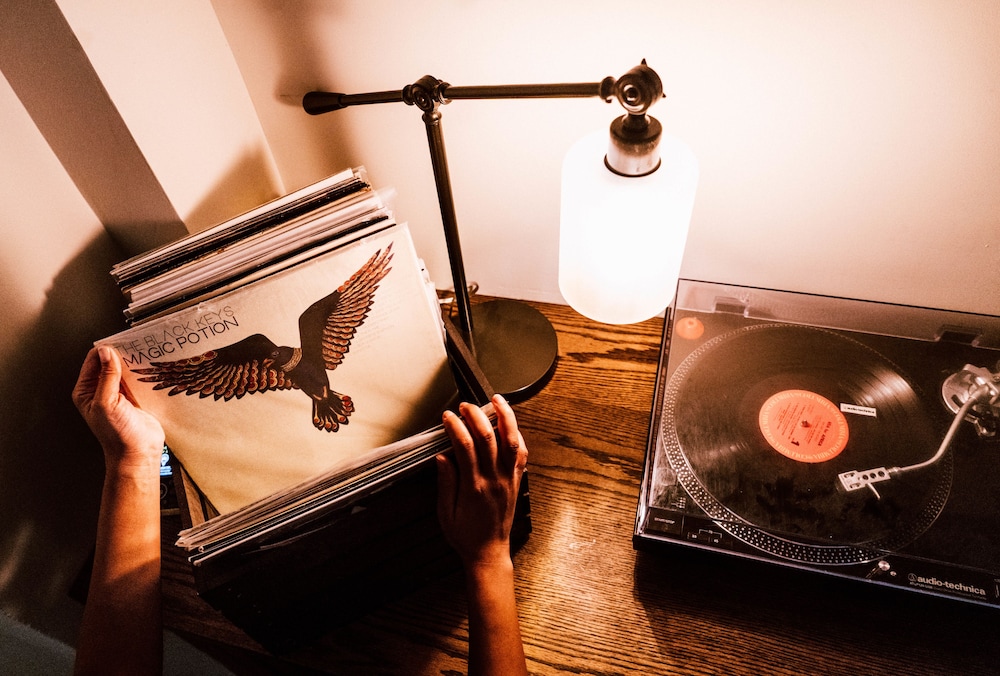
515 345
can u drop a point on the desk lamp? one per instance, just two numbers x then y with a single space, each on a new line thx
624 218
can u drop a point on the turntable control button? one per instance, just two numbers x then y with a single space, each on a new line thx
689 328
707 536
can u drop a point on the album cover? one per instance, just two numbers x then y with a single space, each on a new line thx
844 436
298 374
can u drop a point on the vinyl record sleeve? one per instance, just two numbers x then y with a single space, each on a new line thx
394 371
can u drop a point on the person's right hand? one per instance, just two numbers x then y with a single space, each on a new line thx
477 494
128 435
478 487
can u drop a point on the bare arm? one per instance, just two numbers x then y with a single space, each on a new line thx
477 495
121 630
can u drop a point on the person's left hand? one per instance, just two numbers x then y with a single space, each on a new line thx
128 435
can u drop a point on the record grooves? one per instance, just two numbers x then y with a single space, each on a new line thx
759 422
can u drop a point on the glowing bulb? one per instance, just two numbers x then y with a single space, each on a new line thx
622 238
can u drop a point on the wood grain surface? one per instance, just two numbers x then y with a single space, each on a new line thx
589 603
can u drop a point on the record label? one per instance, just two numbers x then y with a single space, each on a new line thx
803 426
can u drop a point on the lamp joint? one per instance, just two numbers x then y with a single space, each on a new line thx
638 89
635 137
427 93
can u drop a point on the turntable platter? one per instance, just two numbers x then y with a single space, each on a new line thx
759 422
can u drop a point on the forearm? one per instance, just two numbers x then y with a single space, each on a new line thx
121 627
494 631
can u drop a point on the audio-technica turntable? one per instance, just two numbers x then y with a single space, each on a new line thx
848 437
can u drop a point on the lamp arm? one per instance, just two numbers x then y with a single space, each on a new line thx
428 94
446 203
317 103
636 91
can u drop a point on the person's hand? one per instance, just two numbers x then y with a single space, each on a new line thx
121 630
477 494
128 435
478 488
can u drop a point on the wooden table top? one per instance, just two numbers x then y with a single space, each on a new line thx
589 603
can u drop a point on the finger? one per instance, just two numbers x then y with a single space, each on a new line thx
462 444
109 380
86 382
514 454
521 463
484 436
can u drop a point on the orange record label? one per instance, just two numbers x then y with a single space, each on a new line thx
803 426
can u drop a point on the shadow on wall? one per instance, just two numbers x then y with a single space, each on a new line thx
248 184
298 65
52 467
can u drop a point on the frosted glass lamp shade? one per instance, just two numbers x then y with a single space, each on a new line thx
621 238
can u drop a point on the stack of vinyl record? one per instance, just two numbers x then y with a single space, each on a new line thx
273 237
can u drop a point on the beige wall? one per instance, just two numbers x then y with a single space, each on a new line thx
849 148
168 69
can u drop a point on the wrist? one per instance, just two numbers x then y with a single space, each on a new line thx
133 463
491 569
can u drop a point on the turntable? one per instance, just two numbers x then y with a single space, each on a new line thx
847 437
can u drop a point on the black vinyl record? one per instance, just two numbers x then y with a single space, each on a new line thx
759 424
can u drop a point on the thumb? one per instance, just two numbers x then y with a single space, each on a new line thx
109 378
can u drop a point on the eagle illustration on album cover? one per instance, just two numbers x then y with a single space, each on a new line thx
255 364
